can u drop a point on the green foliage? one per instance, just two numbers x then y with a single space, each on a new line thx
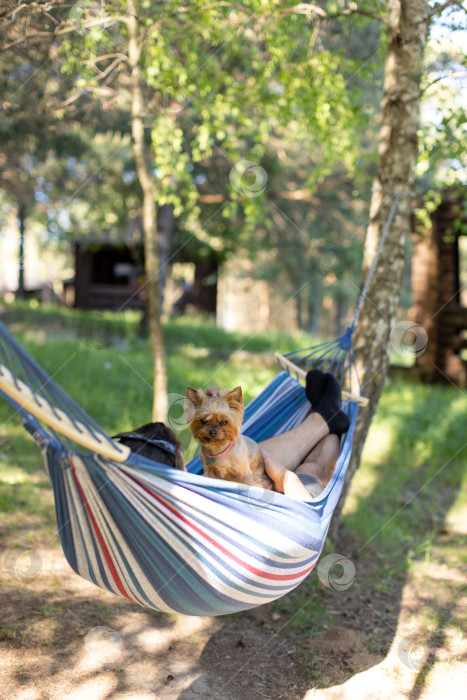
99 194
222 82
293 94
442 159
222 85
55 162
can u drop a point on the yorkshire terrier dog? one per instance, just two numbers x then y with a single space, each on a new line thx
214 419
155 441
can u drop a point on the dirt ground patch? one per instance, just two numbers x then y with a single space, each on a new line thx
63 638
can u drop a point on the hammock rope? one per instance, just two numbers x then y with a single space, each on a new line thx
178 541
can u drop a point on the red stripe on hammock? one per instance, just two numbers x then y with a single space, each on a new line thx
245 565
105 551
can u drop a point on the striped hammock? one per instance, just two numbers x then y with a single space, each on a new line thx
169 540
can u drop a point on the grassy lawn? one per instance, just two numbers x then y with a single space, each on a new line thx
407 499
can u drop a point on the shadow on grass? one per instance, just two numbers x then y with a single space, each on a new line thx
395 521
434 641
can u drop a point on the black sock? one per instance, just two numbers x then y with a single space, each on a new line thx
330 406
315 386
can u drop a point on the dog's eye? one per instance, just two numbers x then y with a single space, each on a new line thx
203 421
223 422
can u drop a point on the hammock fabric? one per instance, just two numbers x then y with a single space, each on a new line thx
169 540
175 541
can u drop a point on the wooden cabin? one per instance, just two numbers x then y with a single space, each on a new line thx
108 277
439 277
111 277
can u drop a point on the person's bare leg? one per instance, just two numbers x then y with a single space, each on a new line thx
291 448
322 460
320 463
284 480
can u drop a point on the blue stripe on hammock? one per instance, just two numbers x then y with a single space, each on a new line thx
292 536
150 548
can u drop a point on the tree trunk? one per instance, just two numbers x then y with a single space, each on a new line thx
165 226
314 306
397 155
342 306
299 307
152 268
21 292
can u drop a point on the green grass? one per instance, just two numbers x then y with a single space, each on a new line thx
26 502
100 329
101 360
413 471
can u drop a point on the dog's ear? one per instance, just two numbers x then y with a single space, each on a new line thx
196 396
235 398
193 400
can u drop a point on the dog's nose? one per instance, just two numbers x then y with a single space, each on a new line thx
213 432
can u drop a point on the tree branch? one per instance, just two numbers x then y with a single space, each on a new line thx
294 195
60 30
297 196
96 59
30 6
28 38
310 9
103 74
458 74
71 99
440 8
102 22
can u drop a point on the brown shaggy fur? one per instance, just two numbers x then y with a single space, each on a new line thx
215 419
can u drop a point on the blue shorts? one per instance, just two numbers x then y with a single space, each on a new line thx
312 484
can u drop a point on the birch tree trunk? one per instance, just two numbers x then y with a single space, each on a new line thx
21 292
152 266
165 232
408 22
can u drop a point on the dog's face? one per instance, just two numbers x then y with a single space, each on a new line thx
214 418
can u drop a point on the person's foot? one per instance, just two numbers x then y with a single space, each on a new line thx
315 386
329 406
